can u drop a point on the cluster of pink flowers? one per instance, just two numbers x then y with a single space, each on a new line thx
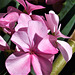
35 46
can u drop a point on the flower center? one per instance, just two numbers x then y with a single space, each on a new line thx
32 51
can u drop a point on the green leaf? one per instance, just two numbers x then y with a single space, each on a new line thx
17 4
69 26
66 8
32 71
4 3
7 39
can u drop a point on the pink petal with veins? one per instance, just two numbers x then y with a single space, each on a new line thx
23 21
46 47
20 38
36 27
13 9
41 65
18 64
22 2
3 44
31 7
65 49
52 21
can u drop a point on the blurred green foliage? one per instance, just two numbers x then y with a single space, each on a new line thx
66 8
3 3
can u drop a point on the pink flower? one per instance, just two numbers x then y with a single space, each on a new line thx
35 49
3 45
8 22
29 7
12 15
52 24
24 19
2 14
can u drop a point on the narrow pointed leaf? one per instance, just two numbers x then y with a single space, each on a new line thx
67 6
69 26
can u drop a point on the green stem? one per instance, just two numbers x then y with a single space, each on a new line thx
60 63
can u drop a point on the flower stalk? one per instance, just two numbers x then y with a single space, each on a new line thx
60 62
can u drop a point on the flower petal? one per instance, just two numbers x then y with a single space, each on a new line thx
2 14
46 47
36 65
9 28
38 18
3 23
31 7
18 64
41 65
59 34
52 20
12 17
3 44
20 27
65 49
22 21
21 39
36 27
53 40
13 9
46 66
22 3
49 57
